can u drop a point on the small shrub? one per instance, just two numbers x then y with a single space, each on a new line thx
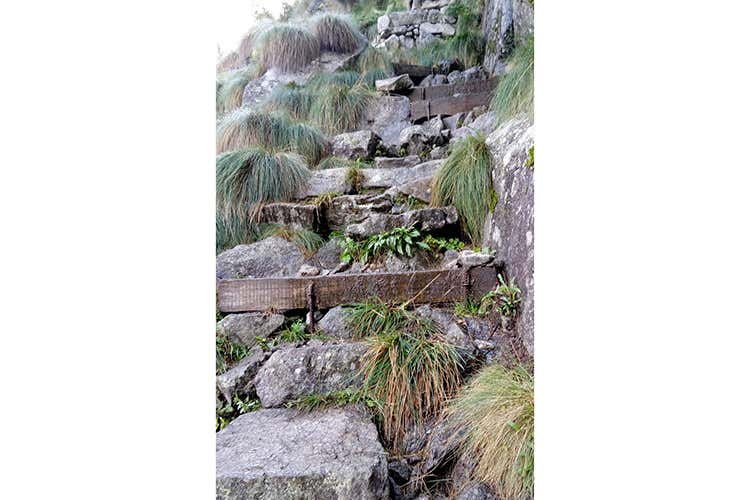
339 108
354 177
287 47
496 412
249 177
295 333
441 244
337 33
465 181
514 94
404 241
467 308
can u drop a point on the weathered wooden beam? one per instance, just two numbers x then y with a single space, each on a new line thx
471 87
413 70
448 105
419 287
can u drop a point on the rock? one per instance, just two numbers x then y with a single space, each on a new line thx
383 23
427 220
392 43
387 177
350 209
397 264
453 122
453 333
335 323
328 256
400 162
439 153
331 180
509 229
419 139
270 258
239 378
355 145
455 77
283 453
394 84
387 116
477 491
470 258
307 270
293 215
480 328
505 23
442 29
399 469
435 4
315 368
245 327
408 43
474 73
433 80
421 189
483 124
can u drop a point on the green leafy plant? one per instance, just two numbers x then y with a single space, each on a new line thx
228 353
239 406
246 128
403 241
465 181
507 297
296 332
337 33
247 178
442 244
468 308
530 160
493 418
514 94
288 47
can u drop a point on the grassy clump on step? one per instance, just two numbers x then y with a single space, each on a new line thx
230 86
286 46
465 181
514 94
244 128
307 241
493 417
337 33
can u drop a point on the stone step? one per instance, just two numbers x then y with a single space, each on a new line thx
283 453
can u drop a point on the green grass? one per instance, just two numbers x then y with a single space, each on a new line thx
337 33
409 370
233 231
247 178
245 128
335 399
287 47
295 333
307 241
373 59
228 353
292 99
514 94
496 411
339 108
465 181
229 93
320 81
505 298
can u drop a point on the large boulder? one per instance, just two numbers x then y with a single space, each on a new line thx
509 229
270 258
350 209
427 220
315 368
387 177
244 328
331 180
420 189
394 83
335 323
293 215
239 378
281 453
355 145
387 116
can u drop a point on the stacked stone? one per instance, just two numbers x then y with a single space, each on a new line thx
417 27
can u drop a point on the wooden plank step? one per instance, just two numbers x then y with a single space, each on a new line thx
472 87
448 105
283 294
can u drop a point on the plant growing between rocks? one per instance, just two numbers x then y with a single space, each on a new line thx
339 108
337 33
402 241
229 91
493 418
514 94
307 241
465 181
239 406
286 46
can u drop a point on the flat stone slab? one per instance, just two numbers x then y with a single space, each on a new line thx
286 454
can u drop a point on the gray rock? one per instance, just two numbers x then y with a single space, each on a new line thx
307 270
455 77
439 153
480 328
392 43
477 491
245 327
470 258
474 73
509 229
293 215
427 220
331 180
270 258
442 29
315 368
335 323
453 122
239 378
505 23
419 139
421 189
435 4
399 162
394 84
387 177
281 453
383 22
328 256
433 80
350 209
445 320
387 116
355 145
484 123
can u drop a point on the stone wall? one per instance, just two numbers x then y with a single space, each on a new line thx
504 22
415 28
509 229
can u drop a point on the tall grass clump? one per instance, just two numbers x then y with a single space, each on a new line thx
465 181
337 33
229 62
515 91
319 81
292 99
409 370
229 94
244 128
373 59
287 47
339 108
247 178
233 231
493 417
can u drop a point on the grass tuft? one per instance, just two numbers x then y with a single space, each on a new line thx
337 33
335 399
339 108
465 181
292 99
249 177
287 47
229 93
496 411
307 241
244 128
514 94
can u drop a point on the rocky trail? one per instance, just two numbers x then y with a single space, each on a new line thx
269 444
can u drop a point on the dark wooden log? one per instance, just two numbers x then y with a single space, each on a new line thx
418 287
471 87
448 105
